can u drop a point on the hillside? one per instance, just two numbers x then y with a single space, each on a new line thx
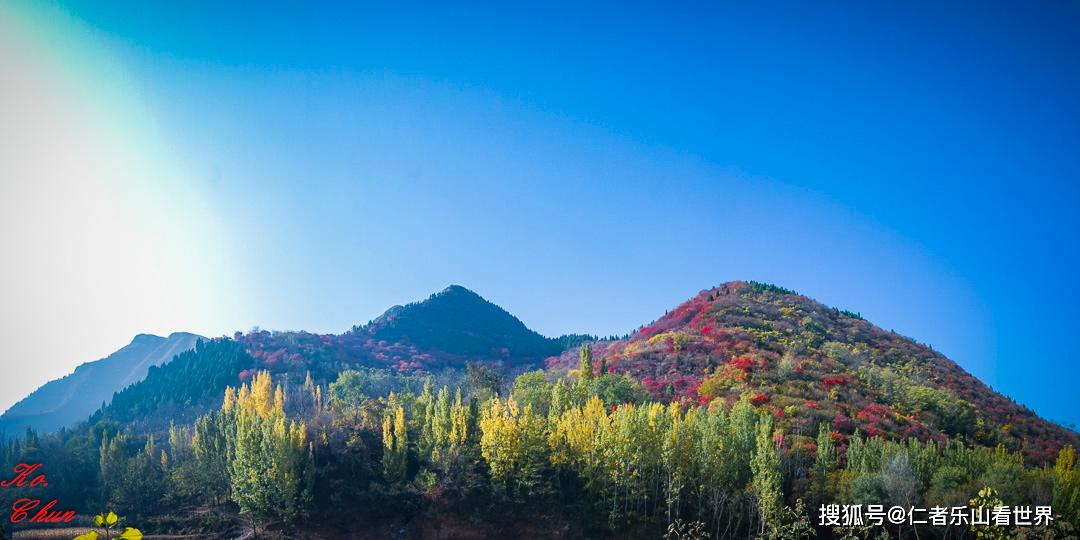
71 399
804 361
809 363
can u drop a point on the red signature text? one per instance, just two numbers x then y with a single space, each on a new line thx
28 475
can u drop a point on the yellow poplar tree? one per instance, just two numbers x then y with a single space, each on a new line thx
395 441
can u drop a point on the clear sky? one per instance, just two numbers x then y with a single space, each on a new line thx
174 166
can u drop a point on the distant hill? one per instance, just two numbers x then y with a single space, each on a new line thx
458 321
445 331
71 399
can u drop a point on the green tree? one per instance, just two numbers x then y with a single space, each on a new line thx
617 389
826 460
949 486
209 479
560 400
271 466
585 365
532 388
1006 475
1067 486
765 485
395 441
140 487
348 394
486 381
112 461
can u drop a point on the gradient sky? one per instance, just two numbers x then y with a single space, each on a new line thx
174 166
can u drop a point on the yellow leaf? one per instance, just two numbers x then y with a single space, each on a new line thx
131 534
111 519
88 536
99 520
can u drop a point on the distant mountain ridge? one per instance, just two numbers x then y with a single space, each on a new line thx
444 331
73 398
804 362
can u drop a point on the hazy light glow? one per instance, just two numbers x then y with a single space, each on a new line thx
104 236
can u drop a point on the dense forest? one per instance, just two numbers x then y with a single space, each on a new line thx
588 451
741 414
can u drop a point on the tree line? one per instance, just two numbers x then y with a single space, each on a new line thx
586 447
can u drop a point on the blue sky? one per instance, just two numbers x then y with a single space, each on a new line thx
586 167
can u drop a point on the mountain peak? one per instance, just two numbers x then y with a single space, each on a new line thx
457 292
146 339
459 321
457 289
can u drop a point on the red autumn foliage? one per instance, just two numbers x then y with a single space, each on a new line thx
834 380
730 328
841 423
874 412
744 363
759 399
